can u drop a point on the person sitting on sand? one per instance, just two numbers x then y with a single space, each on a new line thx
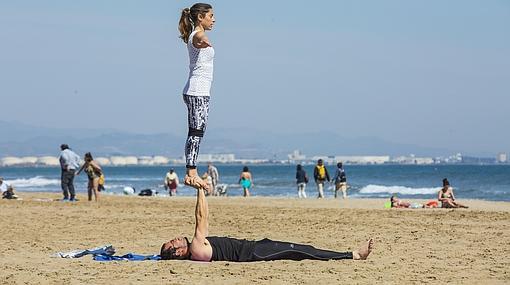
446 196
4 186
9 194
206 248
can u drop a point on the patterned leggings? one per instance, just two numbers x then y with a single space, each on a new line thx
198 112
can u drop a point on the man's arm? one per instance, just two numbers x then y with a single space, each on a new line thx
201 250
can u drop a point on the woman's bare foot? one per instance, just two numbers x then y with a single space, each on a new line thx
363 252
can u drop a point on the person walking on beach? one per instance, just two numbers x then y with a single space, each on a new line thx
193 24
171 182
320 174
212 248
93 171
340 180
246 181
215 176
447 198
69 163
301 180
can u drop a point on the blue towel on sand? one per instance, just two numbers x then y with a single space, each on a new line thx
127 257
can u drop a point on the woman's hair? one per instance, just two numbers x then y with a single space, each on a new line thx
299 167
88 155
245 169
189 18
445 182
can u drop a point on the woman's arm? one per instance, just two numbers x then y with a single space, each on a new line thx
81 168
200 40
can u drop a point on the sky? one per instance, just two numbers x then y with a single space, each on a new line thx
430 73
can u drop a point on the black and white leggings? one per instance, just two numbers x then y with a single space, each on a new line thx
266 250
198 112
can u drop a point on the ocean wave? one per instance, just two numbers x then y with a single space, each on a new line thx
374 189
37 181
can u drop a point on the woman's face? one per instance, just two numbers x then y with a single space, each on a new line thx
207 20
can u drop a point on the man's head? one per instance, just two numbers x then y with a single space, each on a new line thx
339 165
177 248
1 180
171 170
319 162
64 146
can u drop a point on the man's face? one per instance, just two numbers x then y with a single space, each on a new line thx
180 244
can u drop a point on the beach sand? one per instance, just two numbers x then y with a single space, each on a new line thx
432 246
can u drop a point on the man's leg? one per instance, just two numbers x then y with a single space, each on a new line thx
72 192
64 184
320 189
267 249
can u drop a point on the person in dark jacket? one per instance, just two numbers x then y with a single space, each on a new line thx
340 180
301 180
205 248
320 174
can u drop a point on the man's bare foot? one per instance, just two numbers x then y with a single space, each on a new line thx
363 252
196 182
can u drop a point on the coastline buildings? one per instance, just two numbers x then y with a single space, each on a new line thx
502 157
293 158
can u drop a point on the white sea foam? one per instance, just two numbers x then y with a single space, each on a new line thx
37 181
373 189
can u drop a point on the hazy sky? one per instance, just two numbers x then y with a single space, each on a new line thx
431 73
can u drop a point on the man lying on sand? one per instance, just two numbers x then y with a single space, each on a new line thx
205 248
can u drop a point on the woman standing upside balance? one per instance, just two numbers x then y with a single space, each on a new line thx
192 26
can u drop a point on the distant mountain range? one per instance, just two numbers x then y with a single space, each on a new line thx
18 139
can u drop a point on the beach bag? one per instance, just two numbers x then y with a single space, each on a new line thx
101 180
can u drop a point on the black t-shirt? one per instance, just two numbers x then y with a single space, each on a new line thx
231 249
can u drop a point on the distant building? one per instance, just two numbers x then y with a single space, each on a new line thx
363 159
296 157
502 157
220 157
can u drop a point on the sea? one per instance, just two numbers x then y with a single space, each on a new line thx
484 182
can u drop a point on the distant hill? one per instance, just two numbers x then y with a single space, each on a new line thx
24 140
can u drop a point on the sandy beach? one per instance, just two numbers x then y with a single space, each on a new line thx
416 246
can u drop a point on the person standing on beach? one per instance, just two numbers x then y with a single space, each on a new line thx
193 24
246 181
94 172
320 174
215 176
171 182
69 163
340 180
301 180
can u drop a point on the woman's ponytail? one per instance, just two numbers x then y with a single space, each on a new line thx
185 24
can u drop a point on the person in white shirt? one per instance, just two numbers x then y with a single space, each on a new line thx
4 186
193 24
171 182
69 163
